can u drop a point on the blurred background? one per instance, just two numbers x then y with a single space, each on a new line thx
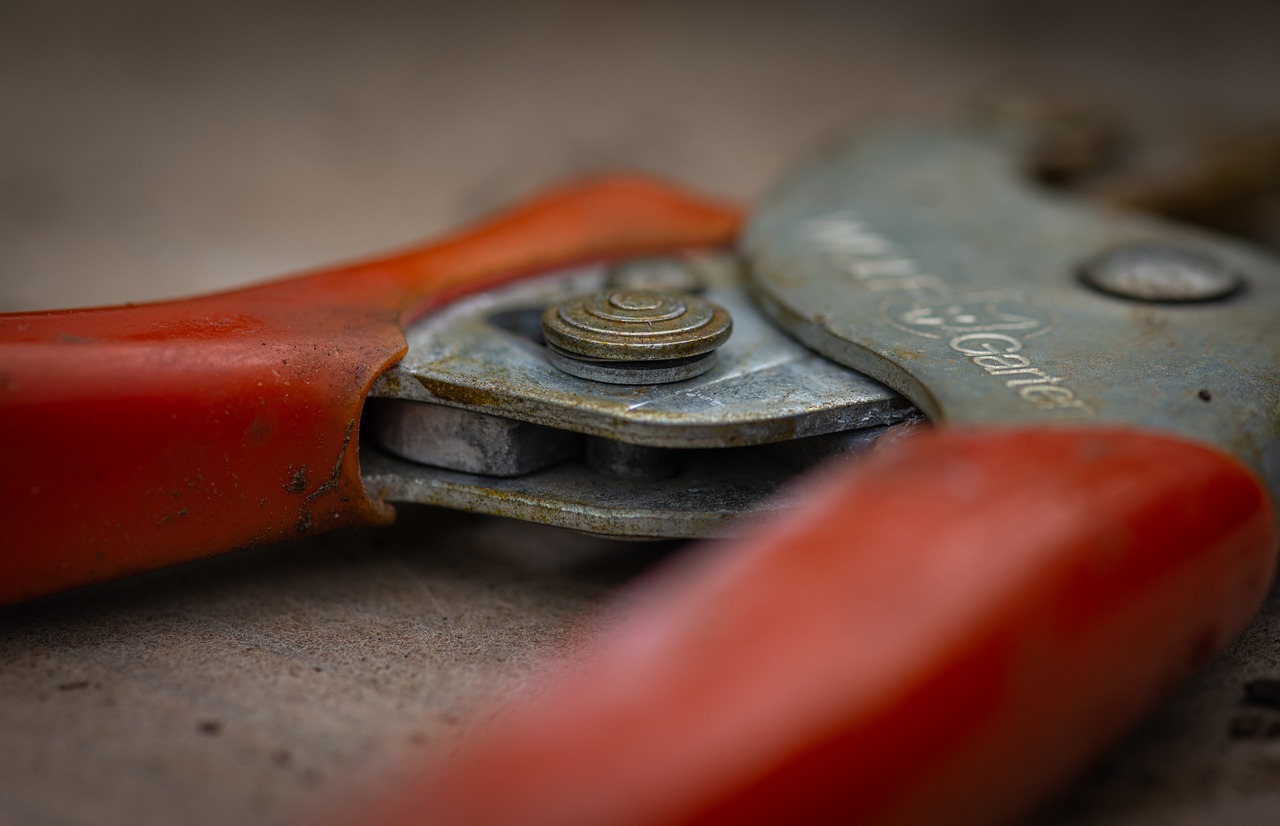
156 149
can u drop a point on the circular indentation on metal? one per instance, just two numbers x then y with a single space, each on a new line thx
637 301
1155 271
631 325
629 312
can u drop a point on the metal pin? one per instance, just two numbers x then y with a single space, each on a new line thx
634 462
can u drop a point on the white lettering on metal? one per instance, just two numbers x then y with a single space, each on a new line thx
990 328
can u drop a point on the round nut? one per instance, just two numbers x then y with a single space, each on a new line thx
636 325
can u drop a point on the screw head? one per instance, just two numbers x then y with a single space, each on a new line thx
1156 271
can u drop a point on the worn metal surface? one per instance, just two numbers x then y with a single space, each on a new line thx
919 256
709 495
464 440
769 390
478 355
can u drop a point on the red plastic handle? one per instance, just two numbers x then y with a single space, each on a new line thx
941 635
137 437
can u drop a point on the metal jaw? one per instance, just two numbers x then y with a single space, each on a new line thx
478 417
921 257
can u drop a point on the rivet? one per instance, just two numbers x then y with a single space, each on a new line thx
635 336
1157 271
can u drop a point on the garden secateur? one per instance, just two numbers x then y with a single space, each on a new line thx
938 622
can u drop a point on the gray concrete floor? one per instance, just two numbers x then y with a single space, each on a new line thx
157 149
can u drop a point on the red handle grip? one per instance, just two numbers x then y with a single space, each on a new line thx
136 437
941 635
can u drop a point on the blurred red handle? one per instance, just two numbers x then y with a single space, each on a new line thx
943 634
137 437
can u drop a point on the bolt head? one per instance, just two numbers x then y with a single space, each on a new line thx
1155 271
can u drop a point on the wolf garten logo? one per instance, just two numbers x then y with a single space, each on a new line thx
983 312
990 328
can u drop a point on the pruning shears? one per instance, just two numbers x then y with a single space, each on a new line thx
940 628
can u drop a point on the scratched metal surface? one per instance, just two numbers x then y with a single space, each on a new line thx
153 149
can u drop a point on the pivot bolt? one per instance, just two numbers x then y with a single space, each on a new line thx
635 336
1160 272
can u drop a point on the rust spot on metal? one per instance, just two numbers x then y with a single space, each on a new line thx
470 396
392 383
304 522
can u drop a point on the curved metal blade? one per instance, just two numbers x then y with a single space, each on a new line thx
921 257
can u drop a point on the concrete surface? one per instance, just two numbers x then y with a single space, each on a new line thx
152 149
